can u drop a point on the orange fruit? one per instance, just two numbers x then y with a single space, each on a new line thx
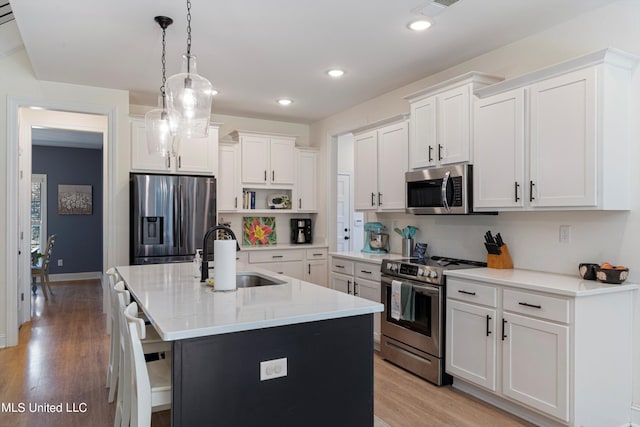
620 267
606 265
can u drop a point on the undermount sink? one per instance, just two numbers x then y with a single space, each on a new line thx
251 280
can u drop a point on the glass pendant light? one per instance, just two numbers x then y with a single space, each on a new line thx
158 131
189 95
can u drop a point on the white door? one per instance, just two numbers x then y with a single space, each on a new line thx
343 210
366 171
392 165
498 173
471 343
423 133
282 160
563 140
255 159
535 367
38 212
454 136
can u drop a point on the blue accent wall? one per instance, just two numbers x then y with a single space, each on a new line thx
78 237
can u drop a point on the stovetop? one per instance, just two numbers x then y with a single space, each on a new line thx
429 270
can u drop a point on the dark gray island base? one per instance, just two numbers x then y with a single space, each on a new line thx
329 382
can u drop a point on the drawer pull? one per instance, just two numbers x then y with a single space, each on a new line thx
318 254
277 256
504 322
466 292
530 305
365 271
339 266
488 319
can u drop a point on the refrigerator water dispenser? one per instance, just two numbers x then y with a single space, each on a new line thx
152 230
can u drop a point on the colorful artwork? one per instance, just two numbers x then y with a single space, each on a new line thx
259 230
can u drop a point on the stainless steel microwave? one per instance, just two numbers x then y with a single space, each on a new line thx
443 190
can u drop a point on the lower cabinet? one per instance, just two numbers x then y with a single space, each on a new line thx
361 279
567 358
305 264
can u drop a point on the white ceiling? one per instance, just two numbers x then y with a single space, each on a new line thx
255 51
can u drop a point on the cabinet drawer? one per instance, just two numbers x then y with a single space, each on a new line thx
545 307
472 292
368 271
275 256
341 265
320 253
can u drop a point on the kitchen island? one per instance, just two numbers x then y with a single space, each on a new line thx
220 339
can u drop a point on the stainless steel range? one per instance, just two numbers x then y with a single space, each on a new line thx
418 345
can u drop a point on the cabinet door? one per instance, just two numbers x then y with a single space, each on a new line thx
498 173
199 155
255 159
316 272
366 171
423 143
563 141
342 283
370 290
307 181
454 117
392 165
535 367
471 343
282 156
141 159
228 177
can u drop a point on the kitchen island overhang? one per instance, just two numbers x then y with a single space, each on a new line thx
220 340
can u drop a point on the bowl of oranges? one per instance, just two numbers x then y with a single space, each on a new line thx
608 273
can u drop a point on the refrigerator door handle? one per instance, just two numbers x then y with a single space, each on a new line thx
176 218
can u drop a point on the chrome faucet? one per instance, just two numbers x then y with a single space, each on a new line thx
205 261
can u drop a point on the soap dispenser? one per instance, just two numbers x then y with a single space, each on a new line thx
197 263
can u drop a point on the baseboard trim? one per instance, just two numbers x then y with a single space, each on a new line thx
635 415
3 341
65 277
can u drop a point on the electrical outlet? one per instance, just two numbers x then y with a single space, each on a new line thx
60 263
564 235
270 369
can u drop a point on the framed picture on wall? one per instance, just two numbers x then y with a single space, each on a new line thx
75 199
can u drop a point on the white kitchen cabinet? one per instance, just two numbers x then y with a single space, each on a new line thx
304 264
471 343
539 354
229 195
556 139
361 279
195 155
380 162
307 180
440 128
267 160
535 358
316 266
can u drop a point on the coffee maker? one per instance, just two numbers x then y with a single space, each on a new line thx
301 230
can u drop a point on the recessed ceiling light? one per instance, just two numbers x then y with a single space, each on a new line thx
284 102
420 25
336 72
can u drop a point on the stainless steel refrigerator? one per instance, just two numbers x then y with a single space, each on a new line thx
169 216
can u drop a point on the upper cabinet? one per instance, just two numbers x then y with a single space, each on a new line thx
556 138
380 164
307 180
440 128
267 160
229 193
195 155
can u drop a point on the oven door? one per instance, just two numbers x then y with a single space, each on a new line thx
425 332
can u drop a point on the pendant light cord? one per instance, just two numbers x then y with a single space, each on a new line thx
164 71
188 35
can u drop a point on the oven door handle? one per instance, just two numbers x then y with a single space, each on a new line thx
443 191
423 288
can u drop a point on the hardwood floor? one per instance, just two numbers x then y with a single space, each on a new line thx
63 353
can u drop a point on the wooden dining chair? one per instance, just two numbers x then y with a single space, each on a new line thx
41 269
150 381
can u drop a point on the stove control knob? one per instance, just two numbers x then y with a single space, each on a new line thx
391 266
422 272
433 274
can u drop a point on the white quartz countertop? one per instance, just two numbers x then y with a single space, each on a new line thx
283 246
180 307
559 284
362 256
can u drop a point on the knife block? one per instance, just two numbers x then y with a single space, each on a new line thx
502 261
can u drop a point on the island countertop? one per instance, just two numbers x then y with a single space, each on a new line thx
181 307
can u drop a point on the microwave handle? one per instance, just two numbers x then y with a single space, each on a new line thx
445 182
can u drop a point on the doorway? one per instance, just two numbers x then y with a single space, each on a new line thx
22 120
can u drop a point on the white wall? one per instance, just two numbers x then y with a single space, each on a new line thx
532 237
345 154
